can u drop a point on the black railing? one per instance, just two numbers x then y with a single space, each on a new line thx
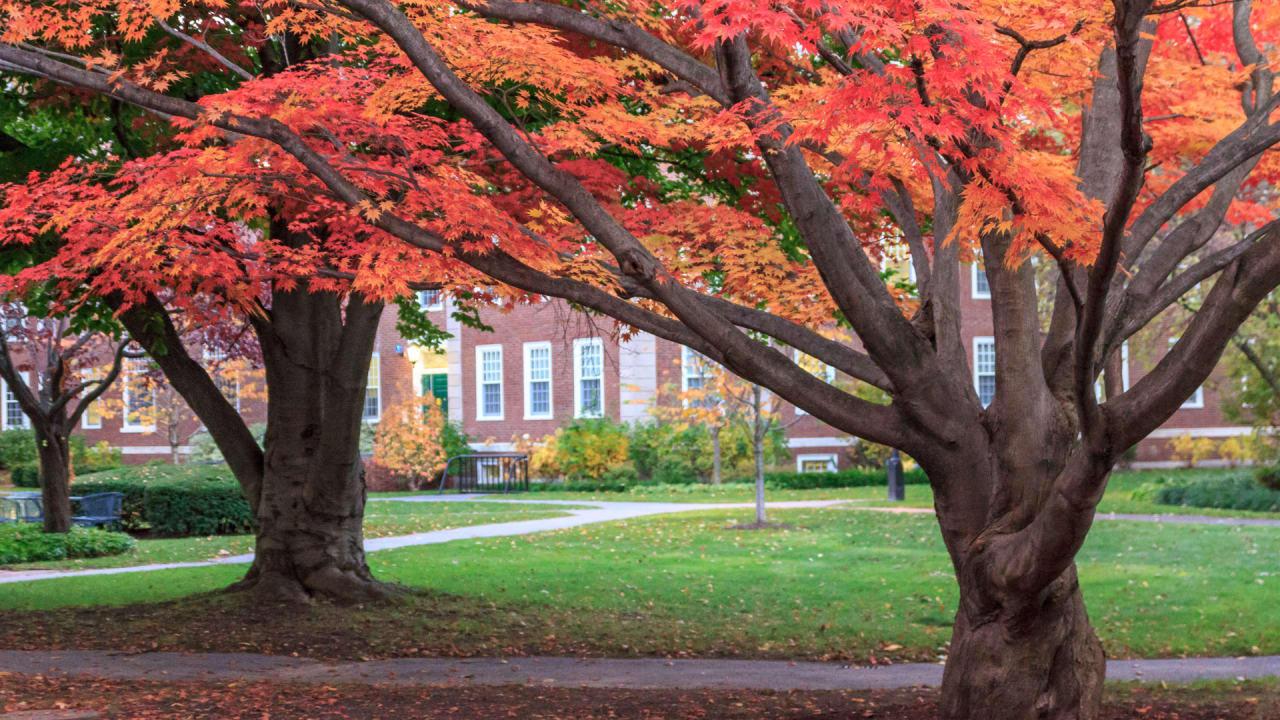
492 473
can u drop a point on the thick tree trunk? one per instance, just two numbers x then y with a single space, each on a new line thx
715 454
310 540
55 480
1030 659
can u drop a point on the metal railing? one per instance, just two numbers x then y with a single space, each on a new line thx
490 473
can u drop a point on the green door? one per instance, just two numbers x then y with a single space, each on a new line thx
438 385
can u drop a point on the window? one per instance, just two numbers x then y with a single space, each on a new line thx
984 369
816 463
373 391
695 371
224 376
489 382
981 290
1196 401
139 396
14 418
537 381
588 378
814 367
431 300
92 417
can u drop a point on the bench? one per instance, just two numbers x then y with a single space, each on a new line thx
100 509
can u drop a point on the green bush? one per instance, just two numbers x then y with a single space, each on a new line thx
207 494
203 507
27 542
1232 492
86 460
26 475
17 447
857 477
1268 476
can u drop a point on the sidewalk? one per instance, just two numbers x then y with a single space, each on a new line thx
638 673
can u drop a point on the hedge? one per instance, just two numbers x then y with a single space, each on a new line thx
857 477
175 500
27 542
1234 492
26 475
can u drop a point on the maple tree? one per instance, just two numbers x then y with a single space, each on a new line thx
593 164
409 440
73 366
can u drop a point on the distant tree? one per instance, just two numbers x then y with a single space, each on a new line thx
410 440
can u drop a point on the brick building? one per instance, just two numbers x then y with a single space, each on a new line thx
545 364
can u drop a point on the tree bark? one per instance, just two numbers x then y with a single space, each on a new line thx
715 454
1023 658
309 512
55 479
760 426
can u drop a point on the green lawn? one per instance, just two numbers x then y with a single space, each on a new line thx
847 584
382 519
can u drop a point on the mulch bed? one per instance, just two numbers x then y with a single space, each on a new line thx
262 701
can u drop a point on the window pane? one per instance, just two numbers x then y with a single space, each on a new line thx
540 398
980 285
590 396
492 399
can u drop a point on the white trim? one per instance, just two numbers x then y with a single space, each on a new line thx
578 346
638 375
480 383
529 347
833 461
454 358
1124 365
1209 432
375 362
495 447
4 409
153 449
820 442
977 339
976 294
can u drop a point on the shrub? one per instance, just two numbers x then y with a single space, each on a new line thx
26 475
17 447
178 508
1232 492
208 500
586 448
27 542
857 477
101 456
1191 450
1268 477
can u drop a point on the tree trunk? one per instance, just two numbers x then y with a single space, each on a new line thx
310 537
715 454
760 426
55 479
1023 659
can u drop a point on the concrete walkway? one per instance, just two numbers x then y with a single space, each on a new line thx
595 512
638 673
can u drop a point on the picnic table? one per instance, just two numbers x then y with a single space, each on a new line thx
97 509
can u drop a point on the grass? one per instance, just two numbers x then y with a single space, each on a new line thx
847 584
382 519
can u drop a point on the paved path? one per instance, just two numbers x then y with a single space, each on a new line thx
595 512
638 673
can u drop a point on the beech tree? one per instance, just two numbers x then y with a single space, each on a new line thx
1094 136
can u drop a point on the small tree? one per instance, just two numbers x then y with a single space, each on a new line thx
409 440
72 370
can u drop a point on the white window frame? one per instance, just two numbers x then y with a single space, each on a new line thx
84 418
578 346
1196 401
4 412
833 462
431 307
529 414
213 358
979 340
374 362
480 383
974 268
125 425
